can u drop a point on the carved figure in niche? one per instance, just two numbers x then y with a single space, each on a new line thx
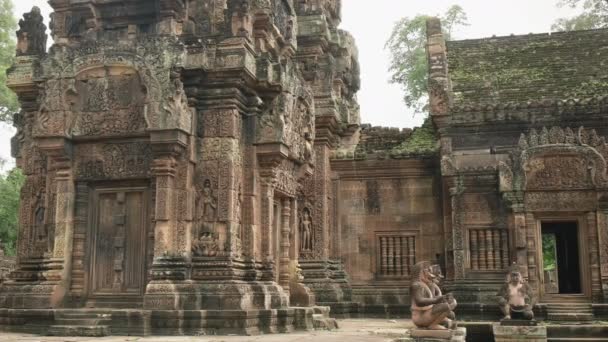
19 139
205 246
306 231
39 219
516 297
289 30
178 102
520 232
239 204
31 37
75 24
428 311
241 20
206 203
436 289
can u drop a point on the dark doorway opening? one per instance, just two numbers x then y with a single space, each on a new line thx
561 257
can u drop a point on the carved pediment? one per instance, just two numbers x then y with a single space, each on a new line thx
557 159
107 101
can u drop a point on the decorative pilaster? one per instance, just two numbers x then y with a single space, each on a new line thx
285 244
267 215
61 261
530 251
602 227
458 233
58 258
169 260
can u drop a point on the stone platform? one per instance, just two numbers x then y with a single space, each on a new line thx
425 335
105 322
351 330
510 331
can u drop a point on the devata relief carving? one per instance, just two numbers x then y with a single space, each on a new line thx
206 207
306 231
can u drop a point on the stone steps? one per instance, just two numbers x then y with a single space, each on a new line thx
570 312
321 319
80 323
577 339
588 333
79 330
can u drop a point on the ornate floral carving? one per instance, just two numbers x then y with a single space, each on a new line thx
558 201
560 159
110 105
558 172
113 161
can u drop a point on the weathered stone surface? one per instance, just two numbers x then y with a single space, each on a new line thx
503 333
203 163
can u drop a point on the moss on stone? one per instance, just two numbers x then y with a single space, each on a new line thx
423 141
589 89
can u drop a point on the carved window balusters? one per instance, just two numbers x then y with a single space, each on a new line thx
396 255
489 249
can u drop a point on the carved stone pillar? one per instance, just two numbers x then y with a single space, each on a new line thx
458 232
530 252
58 260
267 218
61 261
169 259
285 244
602 227
520 242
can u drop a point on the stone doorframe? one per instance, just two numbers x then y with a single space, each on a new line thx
558 174
584 244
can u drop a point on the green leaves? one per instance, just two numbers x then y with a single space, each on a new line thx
407 46
594 15
8 100
10 189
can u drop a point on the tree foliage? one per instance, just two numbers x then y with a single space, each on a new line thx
593 15
10 189
8 100
407 46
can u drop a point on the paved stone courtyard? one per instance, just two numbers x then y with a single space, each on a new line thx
353 330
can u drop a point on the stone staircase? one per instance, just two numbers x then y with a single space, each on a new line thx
570 312
80 323
577 333
321 319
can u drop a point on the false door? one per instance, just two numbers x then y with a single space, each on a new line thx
118 263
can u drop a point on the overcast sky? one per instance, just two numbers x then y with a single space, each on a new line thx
371 22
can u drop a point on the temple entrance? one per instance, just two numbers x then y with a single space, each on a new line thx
561 258
118 241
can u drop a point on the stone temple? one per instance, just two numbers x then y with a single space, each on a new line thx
199 166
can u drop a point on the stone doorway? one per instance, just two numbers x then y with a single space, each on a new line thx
561 258
118 245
